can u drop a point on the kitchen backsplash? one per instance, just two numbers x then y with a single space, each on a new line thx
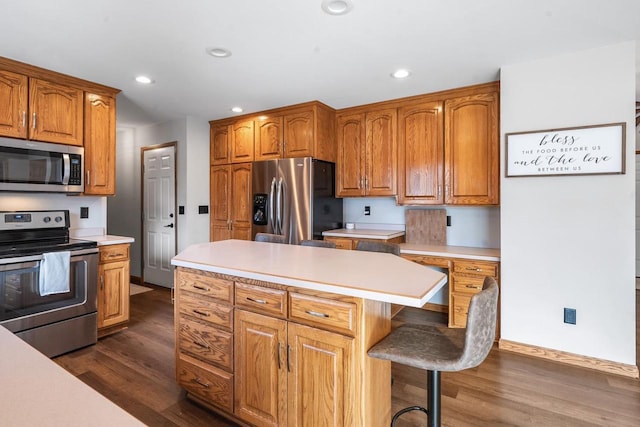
470 226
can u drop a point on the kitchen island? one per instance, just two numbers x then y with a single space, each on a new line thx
271 334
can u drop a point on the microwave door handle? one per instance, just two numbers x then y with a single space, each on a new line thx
272 217
67 169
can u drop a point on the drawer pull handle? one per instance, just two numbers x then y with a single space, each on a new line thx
316 313
201 313
474 269
472 286
202 383
202 288
257 301
199 344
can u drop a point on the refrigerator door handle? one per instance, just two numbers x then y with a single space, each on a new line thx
272 192
279 201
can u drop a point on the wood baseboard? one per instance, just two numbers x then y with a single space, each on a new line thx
136 279
570 358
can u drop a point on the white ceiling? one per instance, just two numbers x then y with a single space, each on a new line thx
290 51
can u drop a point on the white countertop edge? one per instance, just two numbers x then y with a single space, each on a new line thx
450 254
322 287
364 233
108 239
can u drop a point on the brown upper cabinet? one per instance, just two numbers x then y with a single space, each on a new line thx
14 90
43 105
304 130
50 112
367 153
99 144
55 112
220 143
242 142
449 148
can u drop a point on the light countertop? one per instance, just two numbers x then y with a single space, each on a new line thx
370 275
364 233
37 392
108 239
465 252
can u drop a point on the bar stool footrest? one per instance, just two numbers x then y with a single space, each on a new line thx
408 409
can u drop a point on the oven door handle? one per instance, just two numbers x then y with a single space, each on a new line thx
19 266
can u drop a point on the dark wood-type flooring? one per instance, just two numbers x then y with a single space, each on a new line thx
135 369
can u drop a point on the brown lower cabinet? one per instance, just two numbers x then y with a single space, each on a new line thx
466 277
113 288
264 354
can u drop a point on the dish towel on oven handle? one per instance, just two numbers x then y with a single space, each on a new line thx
54 273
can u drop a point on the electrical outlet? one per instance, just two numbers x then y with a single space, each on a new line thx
448 220
180 210
203 209
84 212
367 210
570 316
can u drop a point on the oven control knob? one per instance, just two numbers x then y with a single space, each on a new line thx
46 219
58 219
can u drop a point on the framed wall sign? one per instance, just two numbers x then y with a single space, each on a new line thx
585 150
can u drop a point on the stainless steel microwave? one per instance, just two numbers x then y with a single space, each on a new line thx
40 167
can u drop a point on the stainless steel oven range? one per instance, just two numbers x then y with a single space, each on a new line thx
48 282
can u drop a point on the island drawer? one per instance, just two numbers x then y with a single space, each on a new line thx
110 253
334 315
209 344
262 299
207 310
205 284
466 284
476 267
214 386
428 260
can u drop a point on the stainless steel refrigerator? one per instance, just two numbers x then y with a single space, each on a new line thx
294 198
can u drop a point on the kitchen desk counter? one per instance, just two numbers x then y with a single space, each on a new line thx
364 233
464 252
37 392
369 275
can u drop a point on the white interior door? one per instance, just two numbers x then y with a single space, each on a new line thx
159 217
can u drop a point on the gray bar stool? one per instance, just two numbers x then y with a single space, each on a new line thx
273 238
436 348
372 246
318 243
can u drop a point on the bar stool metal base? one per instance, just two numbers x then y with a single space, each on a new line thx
433 399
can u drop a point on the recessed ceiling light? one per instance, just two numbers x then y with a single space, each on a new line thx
144 80
237 109
401 74
337 7
219 52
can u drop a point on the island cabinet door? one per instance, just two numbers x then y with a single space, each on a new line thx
321 384
261 369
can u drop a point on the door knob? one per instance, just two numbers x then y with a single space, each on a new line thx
170 225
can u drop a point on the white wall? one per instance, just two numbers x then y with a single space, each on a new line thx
470 226
192 182
569 241
194 188
42 201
